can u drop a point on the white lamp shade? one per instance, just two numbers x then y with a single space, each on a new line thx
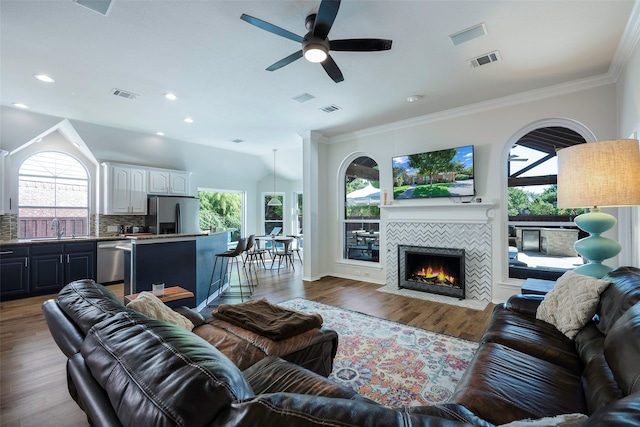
605 173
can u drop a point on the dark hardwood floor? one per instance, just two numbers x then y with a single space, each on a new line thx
32 369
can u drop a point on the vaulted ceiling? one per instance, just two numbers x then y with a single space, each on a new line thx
215 62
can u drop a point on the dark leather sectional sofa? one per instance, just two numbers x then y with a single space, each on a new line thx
127 369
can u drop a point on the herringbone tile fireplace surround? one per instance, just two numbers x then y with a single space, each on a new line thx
470 231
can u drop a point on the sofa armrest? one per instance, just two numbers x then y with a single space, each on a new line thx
525 304
620 413
451 411
86 391
64 332
297 410
274 375
196 318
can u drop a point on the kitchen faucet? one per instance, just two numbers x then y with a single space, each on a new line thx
55 224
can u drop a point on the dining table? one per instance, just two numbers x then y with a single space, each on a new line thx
273 240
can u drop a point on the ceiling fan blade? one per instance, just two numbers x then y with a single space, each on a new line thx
360 45
285 61
324 18
271 28
332 69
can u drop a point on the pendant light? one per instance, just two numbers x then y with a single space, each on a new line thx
274 200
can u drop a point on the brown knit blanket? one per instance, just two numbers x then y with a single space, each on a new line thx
266 319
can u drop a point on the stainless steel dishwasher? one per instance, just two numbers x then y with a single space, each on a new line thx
110 266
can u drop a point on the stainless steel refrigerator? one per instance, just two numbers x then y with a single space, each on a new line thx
171 214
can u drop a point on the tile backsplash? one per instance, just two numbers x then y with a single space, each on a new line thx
97 224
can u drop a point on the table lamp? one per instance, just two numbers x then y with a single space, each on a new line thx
594 175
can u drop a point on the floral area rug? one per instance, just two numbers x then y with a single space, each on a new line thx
392 363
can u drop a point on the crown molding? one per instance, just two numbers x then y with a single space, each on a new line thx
628 42
506 101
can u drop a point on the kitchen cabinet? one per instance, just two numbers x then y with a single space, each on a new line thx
55 265
3 180
14 272
175 183
125 190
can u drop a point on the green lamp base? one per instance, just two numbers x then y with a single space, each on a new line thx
596 248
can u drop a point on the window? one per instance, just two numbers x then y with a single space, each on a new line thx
222 210
297 226
361 223
52 185
541 236
272 215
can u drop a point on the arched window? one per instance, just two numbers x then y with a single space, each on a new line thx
541 236
361 218
52 185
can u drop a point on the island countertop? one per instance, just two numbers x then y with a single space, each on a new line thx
176 237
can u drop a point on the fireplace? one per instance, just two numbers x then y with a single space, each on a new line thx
435 270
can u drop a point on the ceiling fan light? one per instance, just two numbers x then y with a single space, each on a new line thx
315 53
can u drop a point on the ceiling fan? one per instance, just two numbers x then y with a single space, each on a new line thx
315 44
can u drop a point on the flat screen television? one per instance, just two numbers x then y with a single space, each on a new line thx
441 173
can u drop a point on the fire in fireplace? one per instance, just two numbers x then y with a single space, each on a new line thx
435 270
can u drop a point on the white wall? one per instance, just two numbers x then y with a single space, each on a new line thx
210 167
628 97
492 129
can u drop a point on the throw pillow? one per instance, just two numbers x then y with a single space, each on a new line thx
571 303
151 306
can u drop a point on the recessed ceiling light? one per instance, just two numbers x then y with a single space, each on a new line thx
188 120
170 96
160 133
414 98
44 78
19 105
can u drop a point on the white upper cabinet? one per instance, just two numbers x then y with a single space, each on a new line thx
125 189
3 180
162 181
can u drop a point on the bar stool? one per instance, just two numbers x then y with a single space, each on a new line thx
230 256
252 253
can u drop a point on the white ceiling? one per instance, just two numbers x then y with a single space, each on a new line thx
215 62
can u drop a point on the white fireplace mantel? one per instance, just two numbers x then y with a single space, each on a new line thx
476 213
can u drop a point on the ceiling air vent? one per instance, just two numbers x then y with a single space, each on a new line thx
303 97
468 34
123 93
485 59
330 108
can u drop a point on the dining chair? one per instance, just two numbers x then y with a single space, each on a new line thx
295 245
282 249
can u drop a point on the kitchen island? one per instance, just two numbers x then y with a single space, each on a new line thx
184 260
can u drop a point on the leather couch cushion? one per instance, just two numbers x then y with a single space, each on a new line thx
622 350
273 375
532 336
572 302
87 303
622 294
503 385
156 373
